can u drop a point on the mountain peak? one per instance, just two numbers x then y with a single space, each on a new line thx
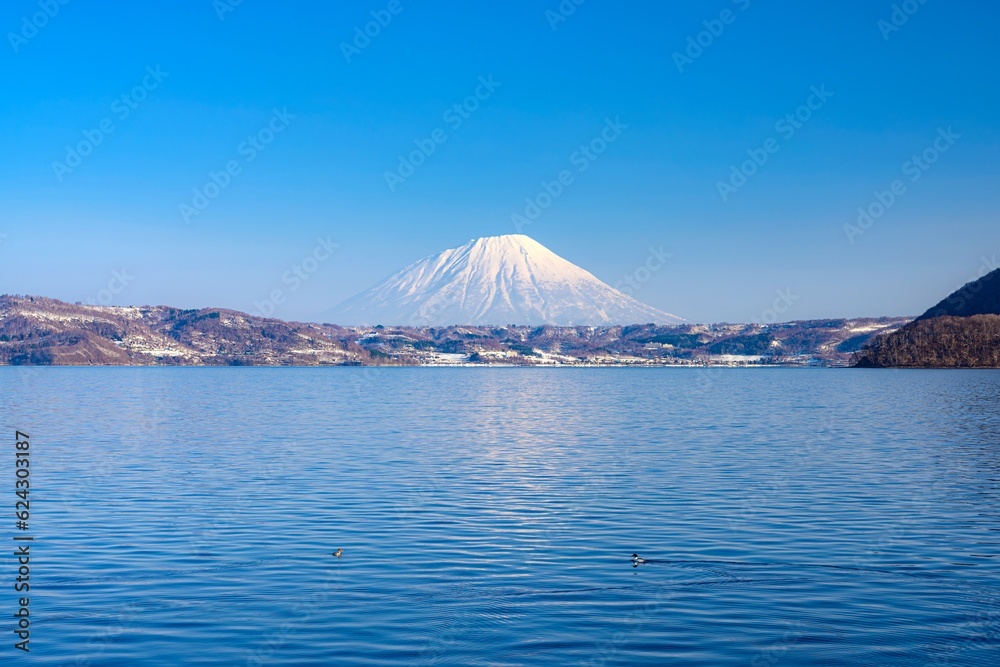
506 238
505 243
495 280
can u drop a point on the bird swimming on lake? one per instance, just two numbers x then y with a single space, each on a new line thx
338 553
638 561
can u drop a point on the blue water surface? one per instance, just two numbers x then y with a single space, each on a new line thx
187 516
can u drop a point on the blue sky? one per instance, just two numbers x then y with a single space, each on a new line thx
328 124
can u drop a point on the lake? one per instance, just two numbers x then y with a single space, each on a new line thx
187 516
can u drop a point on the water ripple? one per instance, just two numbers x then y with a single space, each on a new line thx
487 516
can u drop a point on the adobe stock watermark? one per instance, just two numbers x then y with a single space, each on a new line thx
301 615
698 43
99 642
782 304
223 7
642 274
296 275
247 151
900 15
786 128
454 116
425 314
562 13
644 612
914 168
918 506
448 631
773 654
121 109
581 158
30 25
965 292
364 34
981 632
763 493
119 281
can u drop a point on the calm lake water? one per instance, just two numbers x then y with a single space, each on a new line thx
488 516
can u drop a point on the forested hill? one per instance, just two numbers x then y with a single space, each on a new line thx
940 342
962 331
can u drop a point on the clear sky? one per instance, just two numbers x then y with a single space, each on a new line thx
309 128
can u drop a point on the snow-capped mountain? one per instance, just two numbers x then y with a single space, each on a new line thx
496 280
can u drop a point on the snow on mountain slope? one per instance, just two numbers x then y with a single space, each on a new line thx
495 280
